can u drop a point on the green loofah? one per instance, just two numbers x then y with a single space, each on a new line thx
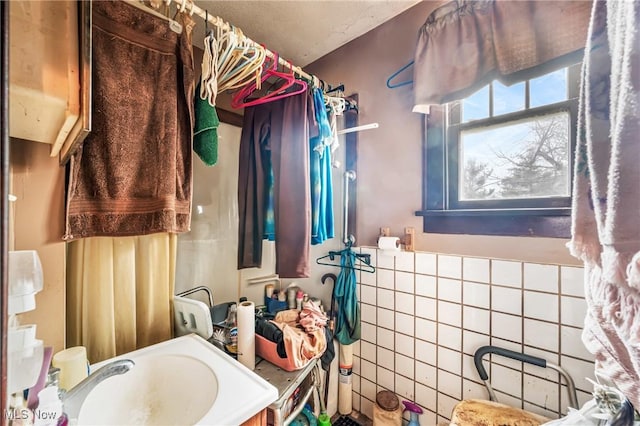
205 133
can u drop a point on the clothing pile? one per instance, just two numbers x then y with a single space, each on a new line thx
299 335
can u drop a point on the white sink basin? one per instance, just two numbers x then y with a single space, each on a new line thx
184 381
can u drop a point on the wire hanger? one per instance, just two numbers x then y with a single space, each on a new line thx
391 85
330 89
363 260
239 100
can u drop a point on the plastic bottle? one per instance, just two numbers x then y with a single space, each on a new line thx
231 324
49 411
414 413
299 298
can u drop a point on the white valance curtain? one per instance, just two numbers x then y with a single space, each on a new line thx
606 193
465 44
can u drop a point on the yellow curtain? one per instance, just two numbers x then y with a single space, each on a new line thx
119 293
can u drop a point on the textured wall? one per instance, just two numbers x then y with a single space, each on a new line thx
389 158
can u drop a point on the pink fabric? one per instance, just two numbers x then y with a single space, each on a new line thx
606 193
311 317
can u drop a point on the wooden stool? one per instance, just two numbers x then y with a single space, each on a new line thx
477 412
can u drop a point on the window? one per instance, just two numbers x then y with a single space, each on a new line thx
499 162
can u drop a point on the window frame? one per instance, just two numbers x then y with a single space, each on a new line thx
544 217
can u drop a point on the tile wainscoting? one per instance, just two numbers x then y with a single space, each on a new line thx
424 314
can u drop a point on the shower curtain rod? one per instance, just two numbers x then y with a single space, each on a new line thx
190 6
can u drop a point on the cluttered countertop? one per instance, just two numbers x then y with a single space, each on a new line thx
283 346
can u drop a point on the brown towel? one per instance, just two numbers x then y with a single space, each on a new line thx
132 175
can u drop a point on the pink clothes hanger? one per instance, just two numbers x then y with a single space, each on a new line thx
239 100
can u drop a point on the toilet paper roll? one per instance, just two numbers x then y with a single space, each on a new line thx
72 363
389 246
247 334
345 385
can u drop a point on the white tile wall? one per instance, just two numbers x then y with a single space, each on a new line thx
572 281
405 323
425 314
543 306
426 352
385 278
404 282
386 298
368 313
426 263
574 310
541 277
426 285
386 378
384 319
476 294
507 300
426 307
450 290
504 272
475 269
449 266
405 261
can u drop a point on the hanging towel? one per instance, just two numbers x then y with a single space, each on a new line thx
320 174
132 175
253 173
606 194
276 134
205 132
344 292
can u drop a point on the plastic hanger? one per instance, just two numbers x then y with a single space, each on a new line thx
238 62
288 80
337 104
391 85
173 25
209 77
363 261
250 69
269 71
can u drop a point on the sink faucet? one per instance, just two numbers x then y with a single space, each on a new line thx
73 399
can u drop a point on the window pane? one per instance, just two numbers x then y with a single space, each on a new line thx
476 106
524 159
507 99
548 89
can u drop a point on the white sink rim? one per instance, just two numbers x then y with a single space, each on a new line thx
137 396
241 393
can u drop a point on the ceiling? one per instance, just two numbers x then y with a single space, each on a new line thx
302 30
